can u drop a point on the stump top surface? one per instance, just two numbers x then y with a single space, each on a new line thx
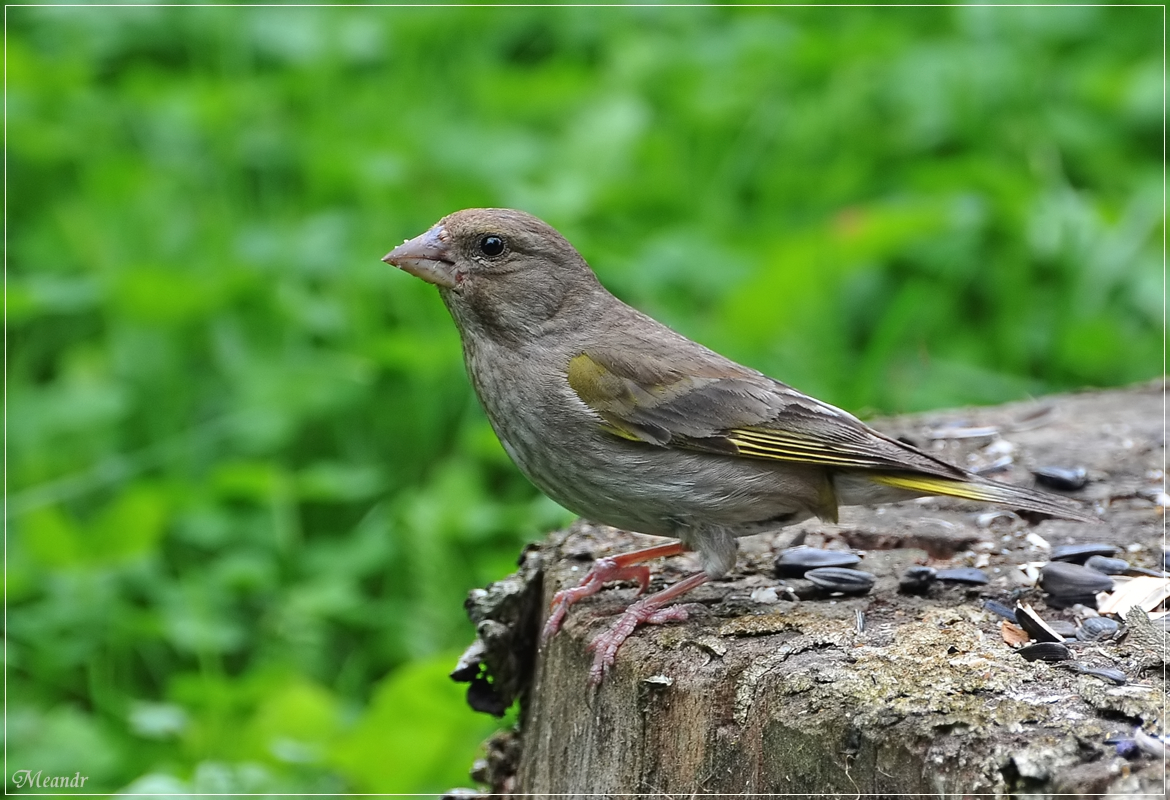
794 691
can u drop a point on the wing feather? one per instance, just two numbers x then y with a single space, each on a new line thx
730 410
716 406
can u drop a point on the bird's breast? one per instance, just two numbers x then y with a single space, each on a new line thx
561 446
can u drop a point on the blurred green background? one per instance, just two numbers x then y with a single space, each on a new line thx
247 484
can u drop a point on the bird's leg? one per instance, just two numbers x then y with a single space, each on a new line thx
623 567
647 611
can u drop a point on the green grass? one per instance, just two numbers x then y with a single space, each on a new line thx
248 486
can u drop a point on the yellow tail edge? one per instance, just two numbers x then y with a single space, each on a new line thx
990 492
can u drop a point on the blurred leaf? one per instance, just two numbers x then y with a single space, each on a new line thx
382 755
157 294
157 720
50 537
251 480
295 723
62 741
42 295
131 525
339 481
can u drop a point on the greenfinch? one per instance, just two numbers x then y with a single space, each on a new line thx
627 423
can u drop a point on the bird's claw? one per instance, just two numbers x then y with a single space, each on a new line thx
603 570
606 644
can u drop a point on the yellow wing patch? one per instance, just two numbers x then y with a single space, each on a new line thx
602 391
592 381
783 446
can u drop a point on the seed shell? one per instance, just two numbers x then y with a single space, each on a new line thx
840 579
1045 651
1037 628
1148 593
1078 553
917 579
1098 629
999 609
796 561
969 575
1107 565
1013 634
1065 479
1104 673
1064 580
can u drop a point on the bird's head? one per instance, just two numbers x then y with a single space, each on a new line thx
497 268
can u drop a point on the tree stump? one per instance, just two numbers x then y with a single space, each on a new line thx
771 687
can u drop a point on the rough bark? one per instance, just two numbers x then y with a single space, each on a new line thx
788 694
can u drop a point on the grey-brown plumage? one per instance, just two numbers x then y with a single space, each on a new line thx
628 423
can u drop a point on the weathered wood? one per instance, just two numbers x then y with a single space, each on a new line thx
770 695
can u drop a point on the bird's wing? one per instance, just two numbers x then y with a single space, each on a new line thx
727 409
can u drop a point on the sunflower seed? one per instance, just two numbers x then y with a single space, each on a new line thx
1098 629
1078 553
839 579
1104 673
795 561
1001 610
1045 651
1107 565
917 579
1066 581
1066 479
963 575
1036 627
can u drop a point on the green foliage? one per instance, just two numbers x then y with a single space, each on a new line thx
248 486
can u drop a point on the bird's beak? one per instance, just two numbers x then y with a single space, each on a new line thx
426 257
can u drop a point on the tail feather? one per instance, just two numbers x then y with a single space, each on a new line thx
990 492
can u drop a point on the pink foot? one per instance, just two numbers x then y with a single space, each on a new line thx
614 568
605 645
604 569
652 610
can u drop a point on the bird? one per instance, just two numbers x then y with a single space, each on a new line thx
627 423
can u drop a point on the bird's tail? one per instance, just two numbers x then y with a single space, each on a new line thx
990 492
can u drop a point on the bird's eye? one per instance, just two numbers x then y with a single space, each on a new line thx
491 246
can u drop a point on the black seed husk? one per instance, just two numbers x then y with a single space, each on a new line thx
1104 673
1107 565
795 561
1079 553
1064 580
1098 629
1001 610
963 575
917 579
839 579
1039 629
1045 651
1066 479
